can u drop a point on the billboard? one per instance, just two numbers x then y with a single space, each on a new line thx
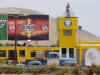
3 27
33 27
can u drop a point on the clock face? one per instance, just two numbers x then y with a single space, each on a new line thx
68 22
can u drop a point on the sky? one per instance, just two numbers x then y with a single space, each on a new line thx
87 11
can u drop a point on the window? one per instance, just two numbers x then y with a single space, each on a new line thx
67 32
54 56
64 52
2 53
71 52
55 51
47 53
22 53
33 53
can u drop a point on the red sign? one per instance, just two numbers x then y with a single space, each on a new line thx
29 28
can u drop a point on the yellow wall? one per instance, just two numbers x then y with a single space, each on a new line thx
27 51
67 41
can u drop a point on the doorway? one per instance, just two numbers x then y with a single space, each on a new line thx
11 55
64 52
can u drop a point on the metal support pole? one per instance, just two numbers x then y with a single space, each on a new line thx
80 52
15 44
15 19
80 56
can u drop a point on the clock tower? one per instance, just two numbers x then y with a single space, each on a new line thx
67 27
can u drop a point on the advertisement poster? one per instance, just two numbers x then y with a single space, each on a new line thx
3 27
30 27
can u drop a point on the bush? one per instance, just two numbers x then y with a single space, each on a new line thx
91 70
70 71
7 44
12 70
1 44
62 71
53 67
38 69
53 45
98 71
76 69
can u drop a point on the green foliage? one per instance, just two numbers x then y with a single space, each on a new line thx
98 71
77 69
91 69
62 71
70 71
12 70
88 71
38 69
95 69
53 45
51 69
1 44
8 44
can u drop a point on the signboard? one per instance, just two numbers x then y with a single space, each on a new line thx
3 27
33 27
68 22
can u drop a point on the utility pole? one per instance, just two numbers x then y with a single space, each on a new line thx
15 19
15 41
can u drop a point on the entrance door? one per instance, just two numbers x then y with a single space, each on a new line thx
64 53
11 55
68 56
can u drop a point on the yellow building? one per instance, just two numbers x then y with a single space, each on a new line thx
68 27
69 45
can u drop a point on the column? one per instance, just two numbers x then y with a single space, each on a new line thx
80 56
